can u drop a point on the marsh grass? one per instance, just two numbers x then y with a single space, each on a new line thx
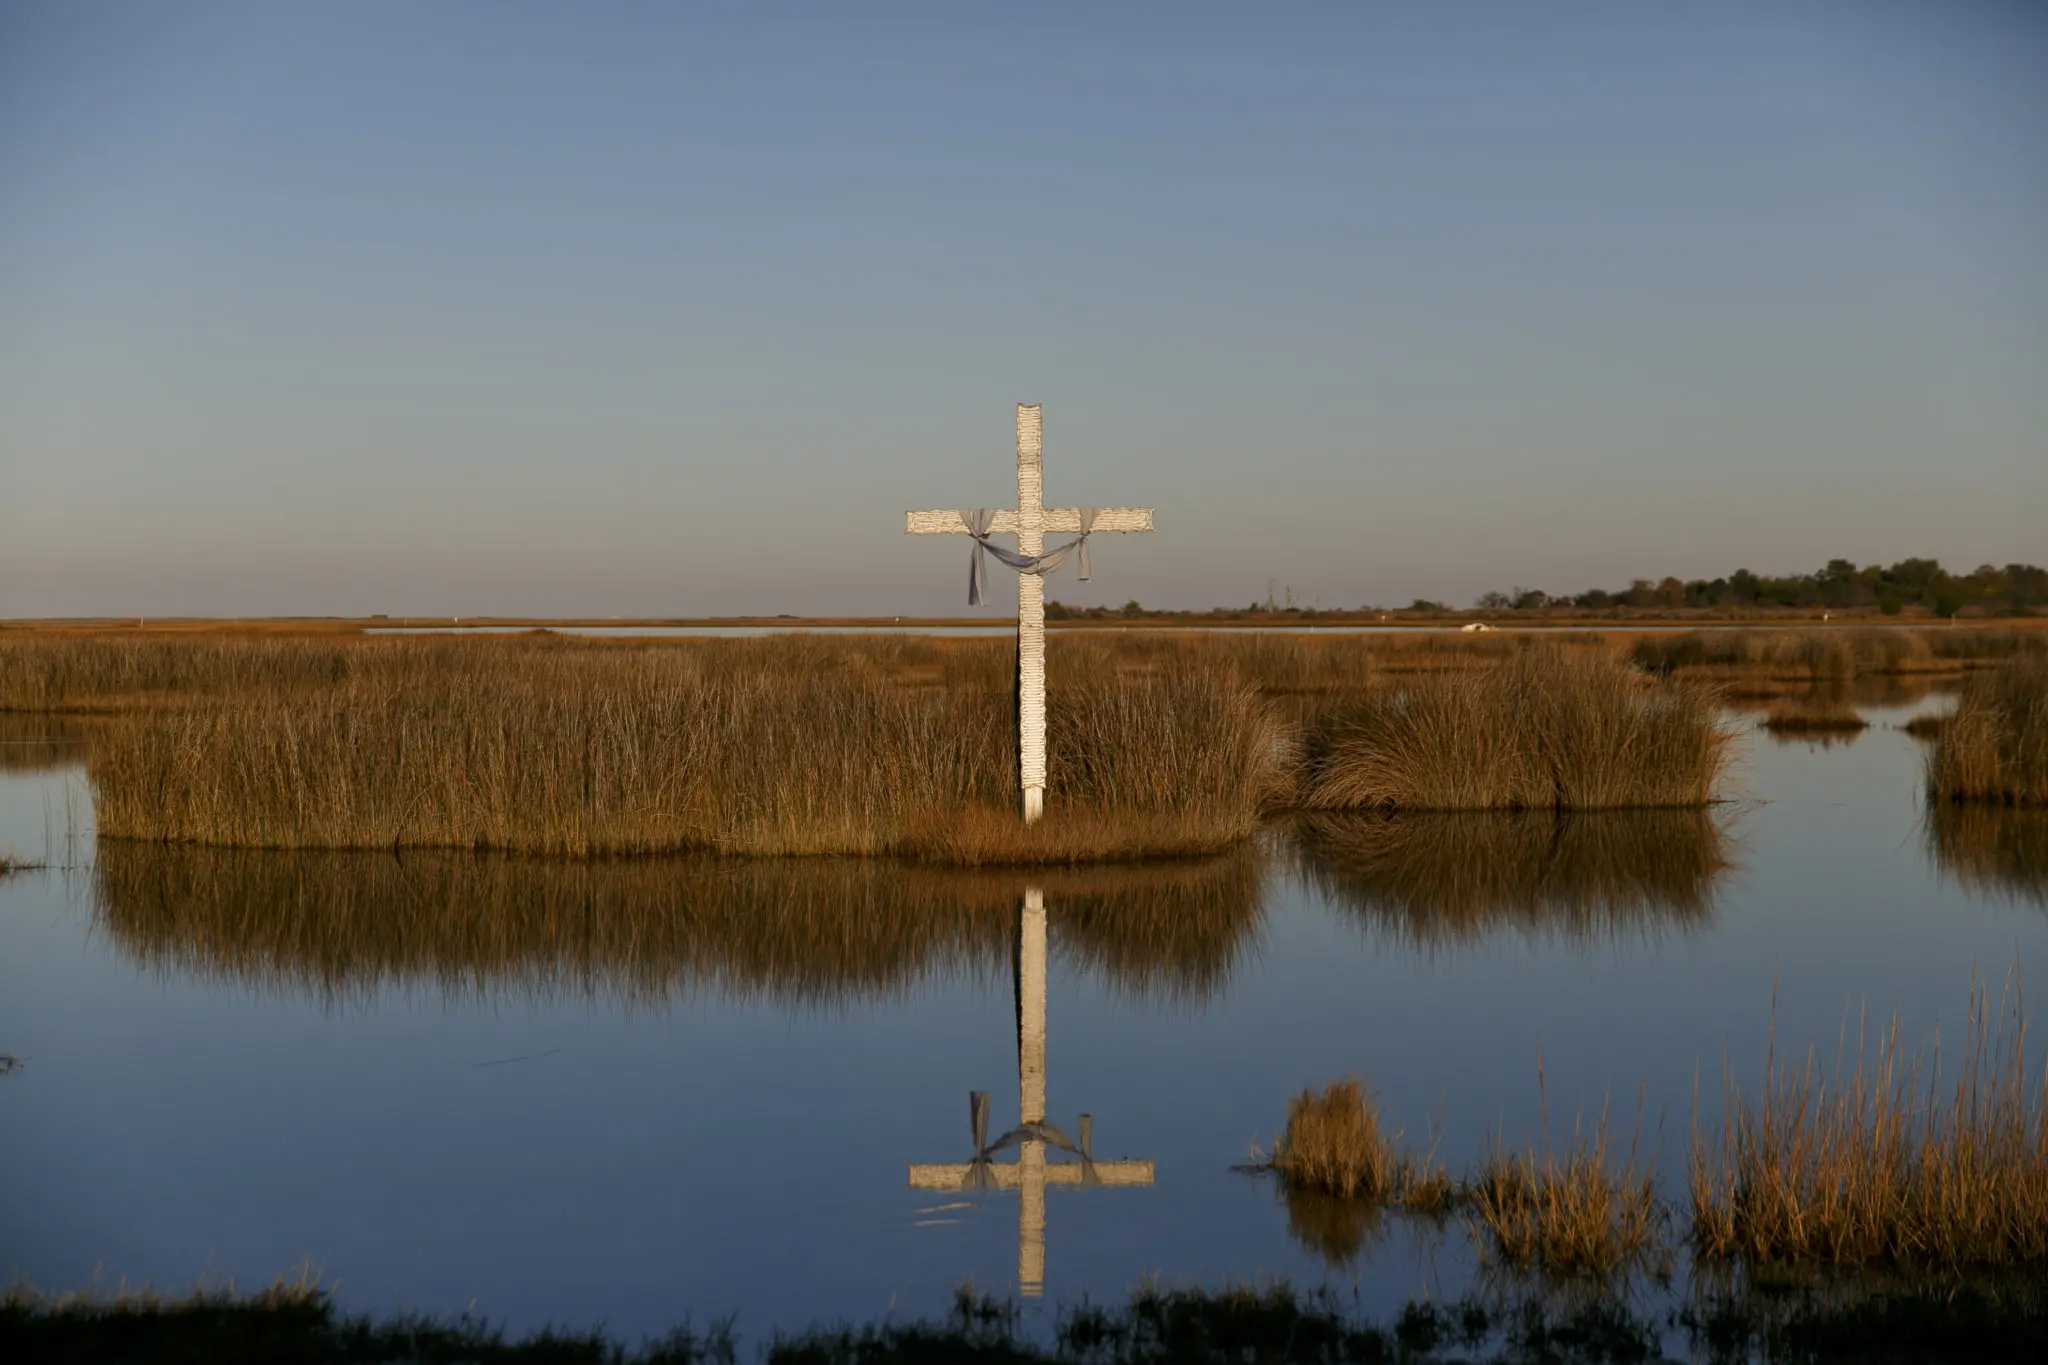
1439 880
1540 729
1884 1165
789 747
813 745
1575 1214
1335 1144
1823 654
348 926
1157 1324
1994 747
1991 850
1926 727
1800 716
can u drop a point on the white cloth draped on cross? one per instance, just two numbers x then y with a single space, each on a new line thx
979 519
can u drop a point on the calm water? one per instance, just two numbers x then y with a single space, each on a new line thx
625 1092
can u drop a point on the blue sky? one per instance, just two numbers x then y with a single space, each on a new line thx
665 309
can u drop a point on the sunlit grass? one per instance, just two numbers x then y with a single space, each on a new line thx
1884 1164
1994 748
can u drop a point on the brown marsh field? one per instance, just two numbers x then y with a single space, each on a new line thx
1163 744
432 891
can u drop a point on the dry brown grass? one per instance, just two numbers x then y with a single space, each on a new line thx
1882 1166
1816 654
1796 716
1161 746
773 747
343 926
1334 1144
1539 729
1995 746
1438 880
1926 727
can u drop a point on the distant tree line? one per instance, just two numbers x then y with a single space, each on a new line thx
2016 589
1919 586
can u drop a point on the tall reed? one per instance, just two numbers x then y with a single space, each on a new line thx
1995 746
1817 654
804 748
1882 1166
1335 1144
1539 729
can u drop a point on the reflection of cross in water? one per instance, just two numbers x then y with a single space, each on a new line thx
1031 1172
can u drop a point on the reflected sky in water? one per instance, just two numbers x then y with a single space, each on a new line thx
624 1092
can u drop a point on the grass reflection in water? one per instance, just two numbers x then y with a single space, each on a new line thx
1999 851
799 931
1440 880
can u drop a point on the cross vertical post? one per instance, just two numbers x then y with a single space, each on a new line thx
1031 609
1029 523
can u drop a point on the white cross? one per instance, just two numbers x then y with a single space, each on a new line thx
1031 1172
1029 523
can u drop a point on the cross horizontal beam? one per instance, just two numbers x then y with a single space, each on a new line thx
1059 520
1004 1174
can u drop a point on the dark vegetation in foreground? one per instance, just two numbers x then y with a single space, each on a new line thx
298 1323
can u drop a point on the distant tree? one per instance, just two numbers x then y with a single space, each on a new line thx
1131 608
1531 599
2027 585
1494 601
1424 604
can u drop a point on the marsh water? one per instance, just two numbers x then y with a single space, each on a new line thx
627 1092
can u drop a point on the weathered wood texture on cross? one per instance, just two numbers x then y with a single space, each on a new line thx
1029 523
1031 1172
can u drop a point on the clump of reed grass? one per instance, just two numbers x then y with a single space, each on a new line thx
1926 727
1451 878
1334 1144
1801 716
1988 646
1882 1167
1816 654
1995 746
798 748
1538 729
1575 1214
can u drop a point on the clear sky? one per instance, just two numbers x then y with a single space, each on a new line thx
664 309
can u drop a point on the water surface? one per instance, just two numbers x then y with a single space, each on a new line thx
622 1092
